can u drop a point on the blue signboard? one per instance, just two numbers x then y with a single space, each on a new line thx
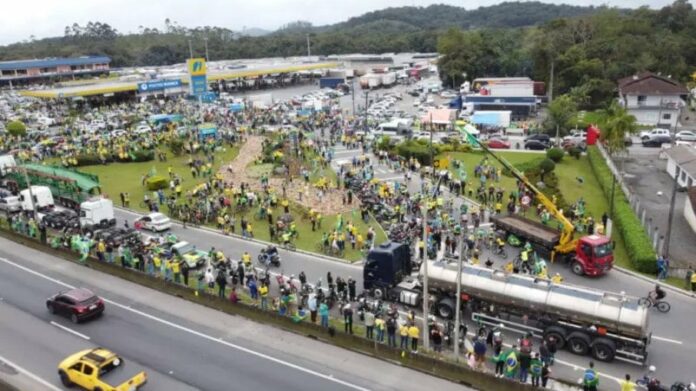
158 85
199 84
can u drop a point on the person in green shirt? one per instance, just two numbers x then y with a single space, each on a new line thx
535 369
511 363
590 379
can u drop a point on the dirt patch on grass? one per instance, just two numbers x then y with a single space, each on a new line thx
237 171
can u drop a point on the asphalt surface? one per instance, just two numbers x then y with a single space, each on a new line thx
179 344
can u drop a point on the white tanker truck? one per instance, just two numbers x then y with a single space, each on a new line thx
586 321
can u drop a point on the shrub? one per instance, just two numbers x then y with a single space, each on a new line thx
464 148
547 166
555 154
156 182
636 240
176 145
526 167
16 128
91 159
575 152
419 151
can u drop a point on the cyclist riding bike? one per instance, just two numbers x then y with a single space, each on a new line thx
658 294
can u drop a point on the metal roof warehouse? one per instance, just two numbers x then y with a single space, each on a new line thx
111 87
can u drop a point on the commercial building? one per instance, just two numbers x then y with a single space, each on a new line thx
23 72
653 99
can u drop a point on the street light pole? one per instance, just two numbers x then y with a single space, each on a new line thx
426 294
458 302
673 201
205 40
190 49
31 192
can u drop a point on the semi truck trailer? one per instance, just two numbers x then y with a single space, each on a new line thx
586 321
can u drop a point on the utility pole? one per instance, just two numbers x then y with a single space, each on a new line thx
668 235
458 302
31 192
190 49
551 82
309 49
205 40
352 89
426 294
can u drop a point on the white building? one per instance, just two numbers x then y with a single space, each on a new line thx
681 164
653 99
690 207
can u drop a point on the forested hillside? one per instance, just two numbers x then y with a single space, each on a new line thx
389 30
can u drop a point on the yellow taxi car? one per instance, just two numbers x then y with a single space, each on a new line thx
99 369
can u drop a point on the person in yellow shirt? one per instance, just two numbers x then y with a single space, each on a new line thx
157 263
176 269
403 333
246 259
263 292
414 335
509 267
627 384
101 249
557 278
250 230
360 242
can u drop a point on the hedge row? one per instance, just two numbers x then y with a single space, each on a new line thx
91 159
636 240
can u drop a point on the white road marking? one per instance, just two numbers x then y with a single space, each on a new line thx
196 333
667 340
71 331
34 377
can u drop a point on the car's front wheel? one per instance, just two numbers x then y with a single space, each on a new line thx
65 379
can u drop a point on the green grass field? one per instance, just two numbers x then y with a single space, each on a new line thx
126 177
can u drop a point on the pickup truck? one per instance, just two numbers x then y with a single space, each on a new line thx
99 369
194 258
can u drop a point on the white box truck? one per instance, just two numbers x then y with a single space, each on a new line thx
43 198
7 162
97 213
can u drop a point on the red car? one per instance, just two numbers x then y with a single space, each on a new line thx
497 143
77 304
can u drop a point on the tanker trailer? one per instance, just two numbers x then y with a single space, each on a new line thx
586 321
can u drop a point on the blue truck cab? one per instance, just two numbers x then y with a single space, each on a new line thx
386 266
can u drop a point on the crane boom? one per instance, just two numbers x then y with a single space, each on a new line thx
566 242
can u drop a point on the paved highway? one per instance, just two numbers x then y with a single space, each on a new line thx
181 345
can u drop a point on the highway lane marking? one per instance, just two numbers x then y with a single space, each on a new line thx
71 331
667 340
196 333
31 375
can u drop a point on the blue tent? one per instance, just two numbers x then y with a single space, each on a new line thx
236 107
207 130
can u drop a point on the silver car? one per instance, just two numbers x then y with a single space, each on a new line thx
685 135
10 204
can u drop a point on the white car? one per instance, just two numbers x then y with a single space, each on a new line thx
141 129
649 134
155 222
685 135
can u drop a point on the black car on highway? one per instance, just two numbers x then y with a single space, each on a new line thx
116 236
540 137
76 304
535 145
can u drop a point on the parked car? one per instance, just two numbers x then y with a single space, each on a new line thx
653 133
76 304
685 135
540 137
657 140
116 236
628 140
497 143
156 222
535 145
10 204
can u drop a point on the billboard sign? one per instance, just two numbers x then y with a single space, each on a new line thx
196 66
197 69
158 85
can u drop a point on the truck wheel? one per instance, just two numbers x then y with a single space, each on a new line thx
578 343
557 333
603 349
577 268
65 379
377 293
445 308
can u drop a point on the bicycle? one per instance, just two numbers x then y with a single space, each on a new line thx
289 246
649 301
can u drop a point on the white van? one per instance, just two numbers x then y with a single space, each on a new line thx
42 198
393 129
6 162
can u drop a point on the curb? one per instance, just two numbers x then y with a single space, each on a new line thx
655 281
254 240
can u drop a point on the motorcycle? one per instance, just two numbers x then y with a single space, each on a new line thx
269 258
680 386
